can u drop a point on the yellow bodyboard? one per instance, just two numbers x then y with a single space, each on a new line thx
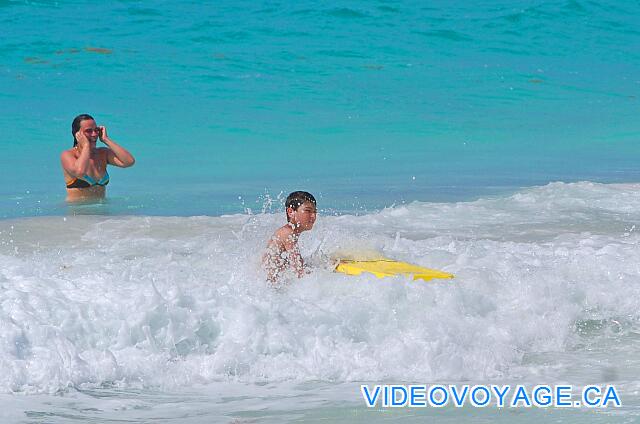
388 267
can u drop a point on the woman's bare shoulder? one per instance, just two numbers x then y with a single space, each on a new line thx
68 153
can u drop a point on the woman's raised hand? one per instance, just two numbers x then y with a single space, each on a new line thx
82 140
103 133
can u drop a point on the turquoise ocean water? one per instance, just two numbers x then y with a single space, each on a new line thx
365 103
494 140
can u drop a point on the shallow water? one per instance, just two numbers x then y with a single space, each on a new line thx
236 403
366 104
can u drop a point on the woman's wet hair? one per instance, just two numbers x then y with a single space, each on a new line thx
75 125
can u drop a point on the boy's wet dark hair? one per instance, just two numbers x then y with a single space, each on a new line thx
75 125
297 198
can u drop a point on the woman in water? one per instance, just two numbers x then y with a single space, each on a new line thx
84 165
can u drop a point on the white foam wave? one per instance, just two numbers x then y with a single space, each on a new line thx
547 284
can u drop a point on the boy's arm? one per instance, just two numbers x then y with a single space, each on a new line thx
295 258
272 260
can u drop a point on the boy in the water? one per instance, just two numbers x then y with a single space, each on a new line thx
282 250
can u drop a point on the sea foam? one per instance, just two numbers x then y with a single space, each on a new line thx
547 286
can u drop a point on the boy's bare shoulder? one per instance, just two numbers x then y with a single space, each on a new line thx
283 232
284 236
